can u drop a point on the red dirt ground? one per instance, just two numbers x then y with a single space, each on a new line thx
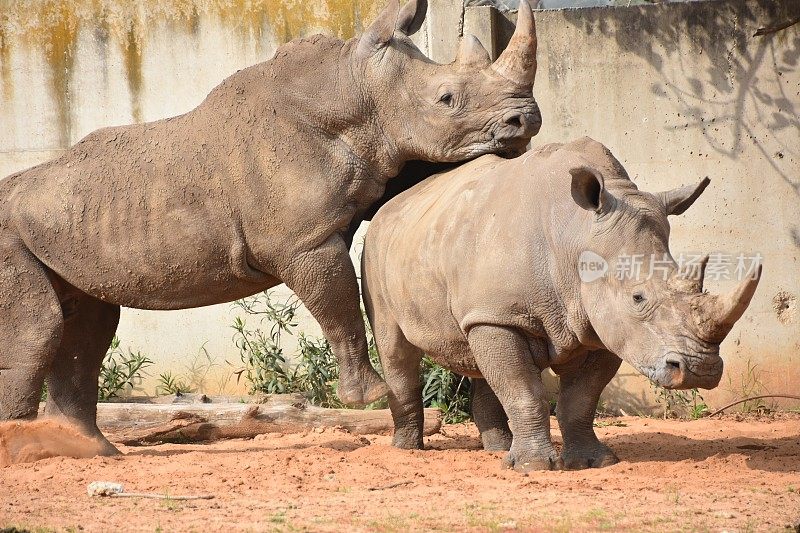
712 474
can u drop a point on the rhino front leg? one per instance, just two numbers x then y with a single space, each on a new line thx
489 416
325 280
31 325
504 358
577 402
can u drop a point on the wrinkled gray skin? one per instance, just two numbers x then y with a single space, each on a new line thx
252 188
478 267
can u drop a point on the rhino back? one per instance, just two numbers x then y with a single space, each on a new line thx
127 209
141 215
491 242
431 254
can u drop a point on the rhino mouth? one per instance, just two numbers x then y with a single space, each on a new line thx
678 370
507 147
508 136
514 132
512 152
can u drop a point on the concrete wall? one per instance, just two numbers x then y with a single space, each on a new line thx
678 92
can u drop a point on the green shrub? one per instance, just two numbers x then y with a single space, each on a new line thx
120 370
265 367
168 383
678 403
316 372
446 391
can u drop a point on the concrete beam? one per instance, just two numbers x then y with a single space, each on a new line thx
444 25
492 28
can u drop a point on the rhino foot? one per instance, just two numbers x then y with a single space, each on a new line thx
103 445
408 439
528 462
598 456
107 449
496 440
365 390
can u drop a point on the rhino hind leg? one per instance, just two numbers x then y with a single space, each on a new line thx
489 416
505 359
579 393
400 360
72 384
31 326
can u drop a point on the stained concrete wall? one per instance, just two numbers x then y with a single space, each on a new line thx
678 92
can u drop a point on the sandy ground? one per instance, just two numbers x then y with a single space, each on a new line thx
715 475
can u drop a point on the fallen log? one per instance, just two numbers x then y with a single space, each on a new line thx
142 423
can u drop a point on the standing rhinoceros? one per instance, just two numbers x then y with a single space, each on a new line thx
252 188
479 268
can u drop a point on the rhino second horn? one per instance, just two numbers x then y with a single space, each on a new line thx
518 61
701 275
690 280
725 310
472 54
696 276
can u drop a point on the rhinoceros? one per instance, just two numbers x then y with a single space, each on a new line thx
254 187
479 267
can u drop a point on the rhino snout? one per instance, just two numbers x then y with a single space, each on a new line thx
679 371
522 123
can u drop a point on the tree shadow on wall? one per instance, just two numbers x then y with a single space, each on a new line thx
738 99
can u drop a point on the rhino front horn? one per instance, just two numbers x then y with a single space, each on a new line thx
518 61
727 309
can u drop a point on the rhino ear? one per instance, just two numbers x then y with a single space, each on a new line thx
679 200
380 31
411 16
472 54
589 190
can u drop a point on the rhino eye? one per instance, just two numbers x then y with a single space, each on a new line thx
446 99
638 297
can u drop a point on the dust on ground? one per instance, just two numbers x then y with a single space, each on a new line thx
24 442
711 474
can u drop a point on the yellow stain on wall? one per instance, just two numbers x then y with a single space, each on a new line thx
5 66
132 57
60 32
53 28
294 18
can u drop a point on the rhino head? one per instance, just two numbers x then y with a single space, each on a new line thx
454 112
659 319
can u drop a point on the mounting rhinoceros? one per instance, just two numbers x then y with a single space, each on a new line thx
252 188
479 268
